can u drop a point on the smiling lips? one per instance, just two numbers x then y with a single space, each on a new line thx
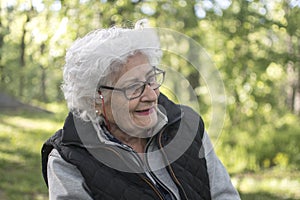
145 112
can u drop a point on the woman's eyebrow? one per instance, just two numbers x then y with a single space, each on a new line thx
136 79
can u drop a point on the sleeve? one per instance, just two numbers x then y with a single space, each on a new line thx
64 179
221 187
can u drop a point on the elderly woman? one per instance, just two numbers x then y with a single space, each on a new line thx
123 139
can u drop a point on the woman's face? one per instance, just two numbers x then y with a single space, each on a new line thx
134 117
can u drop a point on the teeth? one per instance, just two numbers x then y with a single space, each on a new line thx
142 110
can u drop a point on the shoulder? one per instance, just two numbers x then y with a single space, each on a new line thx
62 169
64 179
55 161
192 119
190 112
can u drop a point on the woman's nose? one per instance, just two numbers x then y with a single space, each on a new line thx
149 94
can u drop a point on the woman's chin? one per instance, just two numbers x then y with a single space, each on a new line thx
138 125
142 128
145 122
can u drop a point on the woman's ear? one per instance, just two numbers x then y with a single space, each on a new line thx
100 110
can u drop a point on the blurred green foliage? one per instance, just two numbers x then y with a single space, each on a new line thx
254 44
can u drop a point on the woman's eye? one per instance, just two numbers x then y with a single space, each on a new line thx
151 79
134 87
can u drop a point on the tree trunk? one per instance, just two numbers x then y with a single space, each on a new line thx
43 84
297 88
43 75
1 46
22 61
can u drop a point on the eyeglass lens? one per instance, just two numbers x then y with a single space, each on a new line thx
137 89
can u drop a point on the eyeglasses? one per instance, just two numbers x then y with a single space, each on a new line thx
136 89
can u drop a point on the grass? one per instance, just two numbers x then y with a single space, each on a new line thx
21 137
23 133
269 184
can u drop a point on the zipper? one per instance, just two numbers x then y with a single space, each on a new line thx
152 186
149 169
145 178
137 157
161 184
169 166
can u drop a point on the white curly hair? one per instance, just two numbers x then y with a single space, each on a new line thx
91 59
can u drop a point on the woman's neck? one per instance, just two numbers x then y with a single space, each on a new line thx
136 143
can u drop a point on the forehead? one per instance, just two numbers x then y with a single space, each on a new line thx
137 61
137 66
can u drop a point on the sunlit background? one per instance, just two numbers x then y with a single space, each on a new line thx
254 44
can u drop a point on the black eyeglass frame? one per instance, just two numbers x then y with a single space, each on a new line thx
156 71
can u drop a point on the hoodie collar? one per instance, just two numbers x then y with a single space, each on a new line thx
170 109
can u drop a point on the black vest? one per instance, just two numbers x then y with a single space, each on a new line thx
188 172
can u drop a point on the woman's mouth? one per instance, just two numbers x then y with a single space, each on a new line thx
145 112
